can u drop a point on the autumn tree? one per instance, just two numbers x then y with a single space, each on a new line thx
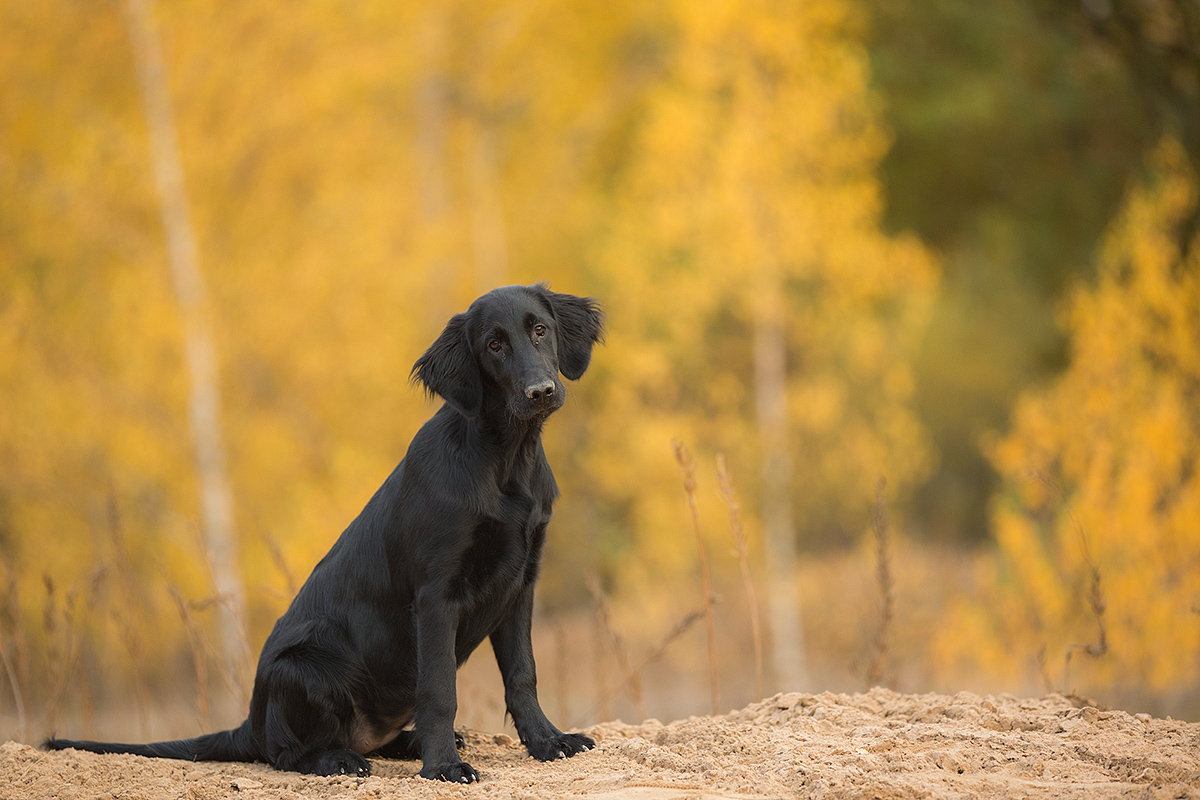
356 173
1098 523
95 437
756 306
204 391
93 456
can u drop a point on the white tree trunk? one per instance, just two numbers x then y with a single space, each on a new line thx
487 217
217 524
770 391
432 113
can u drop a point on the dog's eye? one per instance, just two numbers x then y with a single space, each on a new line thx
539 330
494 345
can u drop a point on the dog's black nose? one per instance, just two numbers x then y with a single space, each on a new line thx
540 392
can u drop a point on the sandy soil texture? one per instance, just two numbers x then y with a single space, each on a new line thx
875 745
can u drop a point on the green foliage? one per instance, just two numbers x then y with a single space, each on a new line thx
1015 134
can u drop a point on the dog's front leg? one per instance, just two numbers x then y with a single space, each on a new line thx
437 699
513 645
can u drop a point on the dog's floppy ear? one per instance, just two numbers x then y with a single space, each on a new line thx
580 325
449 369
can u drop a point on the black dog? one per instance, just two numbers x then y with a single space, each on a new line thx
445 554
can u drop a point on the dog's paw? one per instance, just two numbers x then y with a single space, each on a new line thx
564 745
341 762
462 772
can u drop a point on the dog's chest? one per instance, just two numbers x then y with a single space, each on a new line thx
503 552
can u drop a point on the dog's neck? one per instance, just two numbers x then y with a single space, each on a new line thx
515 441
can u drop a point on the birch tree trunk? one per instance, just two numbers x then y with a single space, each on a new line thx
204 407
487 217
770 393
432 112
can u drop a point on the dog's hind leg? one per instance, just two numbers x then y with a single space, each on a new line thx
303 711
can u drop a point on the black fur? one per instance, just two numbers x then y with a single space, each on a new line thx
443 556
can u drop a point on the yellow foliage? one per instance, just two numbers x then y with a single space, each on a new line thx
751 187
693 165
1100 470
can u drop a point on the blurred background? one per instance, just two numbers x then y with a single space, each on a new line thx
922 275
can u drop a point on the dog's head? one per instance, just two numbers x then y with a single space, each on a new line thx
513 342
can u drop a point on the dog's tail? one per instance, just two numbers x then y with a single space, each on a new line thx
233 745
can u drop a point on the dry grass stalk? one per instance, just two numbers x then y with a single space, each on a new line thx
18 698
887 596
651 656
598 637
234 663
725 479
688 466
12 664
132 598
561 678
133 645
87 706
230 673
54 657
61 661
199 664
1043 672
1095 597
50 627
1098 606
632 678
276 553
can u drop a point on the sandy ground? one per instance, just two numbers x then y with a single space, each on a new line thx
876 745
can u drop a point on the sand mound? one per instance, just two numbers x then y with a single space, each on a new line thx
880 745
